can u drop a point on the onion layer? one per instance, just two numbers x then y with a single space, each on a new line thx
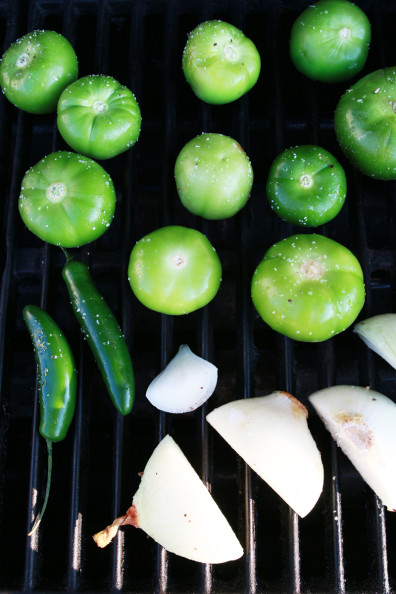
185 383
363 422
271 434
379 333
173 506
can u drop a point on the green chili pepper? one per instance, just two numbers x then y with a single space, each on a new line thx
103 333
57 383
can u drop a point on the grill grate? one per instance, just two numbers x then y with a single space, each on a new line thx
348 542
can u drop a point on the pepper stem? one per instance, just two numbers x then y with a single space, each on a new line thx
67 255
47 490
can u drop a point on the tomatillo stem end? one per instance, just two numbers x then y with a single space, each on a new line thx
23 60
56 192
311 269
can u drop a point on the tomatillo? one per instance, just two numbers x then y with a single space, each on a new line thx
330 40
213 176
308 287
174 270
306 186
98 117
67 199
365 124
36 68
220 63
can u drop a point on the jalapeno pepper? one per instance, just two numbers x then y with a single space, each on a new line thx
57 383
103 334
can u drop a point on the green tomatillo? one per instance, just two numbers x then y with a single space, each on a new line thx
98 117
213 176
308 287
220 63
67 199
330 40
36 68
365 124
306 186
174 270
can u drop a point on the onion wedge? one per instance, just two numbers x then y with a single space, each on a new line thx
271 434
173 506
185 383
363 422
379 333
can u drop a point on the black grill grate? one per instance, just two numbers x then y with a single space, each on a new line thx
348 542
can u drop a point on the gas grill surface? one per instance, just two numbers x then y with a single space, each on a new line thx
348 542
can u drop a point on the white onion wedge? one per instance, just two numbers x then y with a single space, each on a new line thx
379 333
271 434
363 423
185 383
173 506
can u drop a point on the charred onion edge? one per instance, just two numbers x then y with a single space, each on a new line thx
104 537
298 407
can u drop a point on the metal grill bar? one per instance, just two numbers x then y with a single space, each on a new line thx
246 355
284 345
166 219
